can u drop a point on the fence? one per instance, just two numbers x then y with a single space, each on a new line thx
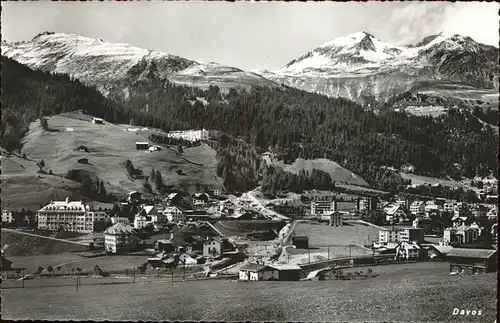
80 280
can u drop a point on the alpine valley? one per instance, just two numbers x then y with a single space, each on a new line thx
324 118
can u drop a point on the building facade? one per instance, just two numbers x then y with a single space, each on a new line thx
7 216
120 238
417 208
70 215
407 235
255 272
190 135
174 215
460 235
322 207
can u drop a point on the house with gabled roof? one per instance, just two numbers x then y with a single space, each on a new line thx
256 272
120 238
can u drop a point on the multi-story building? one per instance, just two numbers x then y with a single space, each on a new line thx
149 215
449 206
395 213
71 215
417 208
190 135
367 204
120 238
461 235
334 218
401 235
461 209
173 214
7 216
323 207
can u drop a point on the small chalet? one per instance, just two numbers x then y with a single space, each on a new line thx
97 121
300 242
215 247
83 161
187 260
408 251
472 260
255 272
200 199
196 242
438 252
83 149
140 145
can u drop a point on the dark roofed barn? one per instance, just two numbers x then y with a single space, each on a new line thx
83 161
300 242
472 260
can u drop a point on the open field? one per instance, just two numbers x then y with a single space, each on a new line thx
419 179
321 235
28 244
337 172
110 146
413 292
242 227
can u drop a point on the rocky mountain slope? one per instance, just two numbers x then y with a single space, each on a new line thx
361 67
113 67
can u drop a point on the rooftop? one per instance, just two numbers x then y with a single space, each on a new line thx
120 228
253 267
471 253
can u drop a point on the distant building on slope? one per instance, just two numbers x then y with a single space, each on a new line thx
190 135
97 121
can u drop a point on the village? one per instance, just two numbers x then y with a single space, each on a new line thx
215 235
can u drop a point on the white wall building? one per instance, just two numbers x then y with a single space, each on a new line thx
173 214
71 215
122 220
323 207
120 238
254 272
190 135
408 251
7 216
417 208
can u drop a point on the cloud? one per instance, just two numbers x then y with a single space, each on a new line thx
417 20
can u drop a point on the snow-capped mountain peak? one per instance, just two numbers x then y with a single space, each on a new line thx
114 66
361 65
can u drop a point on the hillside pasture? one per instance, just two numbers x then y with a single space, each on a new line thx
110 146
21 244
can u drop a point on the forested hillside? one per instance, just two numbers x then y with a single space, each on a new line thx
294 123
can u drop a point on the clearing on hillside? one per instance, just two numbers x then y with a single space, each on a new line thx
110 146
337 172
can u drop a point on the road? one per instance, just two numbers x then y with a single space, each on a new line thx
220 233
45 237
265 211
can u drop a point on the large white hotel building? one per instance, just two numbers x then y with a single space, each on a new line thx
71 215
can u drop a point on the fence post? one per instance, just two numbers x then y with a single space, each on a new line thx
23 279
172 274
76 283
134 273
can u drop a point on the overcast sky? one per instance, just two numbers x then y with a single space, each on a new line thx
247 35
